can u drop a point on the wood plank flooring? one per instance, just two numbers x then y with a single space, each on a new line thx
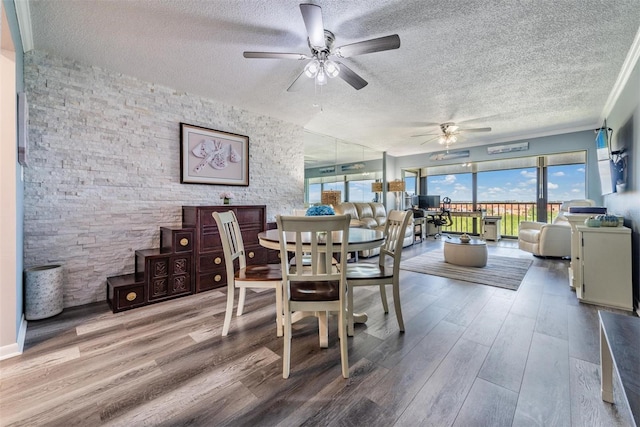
472 355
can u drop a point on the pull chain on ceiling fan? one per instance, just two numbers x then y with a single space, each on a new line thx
320 43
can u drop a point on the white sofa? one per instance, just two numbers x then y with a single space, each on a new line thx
549 240
373 216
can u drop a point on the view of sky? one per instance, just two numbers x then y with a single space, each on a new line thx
519 185
516 185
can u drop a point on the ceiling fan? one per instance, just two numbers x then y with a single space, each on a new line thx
321 42
449 133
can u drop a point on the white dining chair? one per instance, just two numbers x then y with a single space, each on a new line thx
386 271
319 287
246 276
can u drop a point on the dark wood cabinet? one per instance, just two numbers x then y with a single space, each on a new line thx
209 267
165 275
190 258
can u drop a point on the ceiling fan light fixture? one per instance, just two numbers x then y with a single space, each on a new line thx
321 78
447 139
331 68
312 68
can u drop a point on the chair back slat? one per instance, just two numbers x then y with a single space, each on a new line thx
231 239
397 223
320 239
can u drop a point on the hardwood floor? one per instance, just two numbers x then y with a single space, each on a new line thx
472 355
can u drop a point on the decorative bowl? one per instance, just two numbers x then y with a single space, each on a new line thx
465 238
592 222
608 220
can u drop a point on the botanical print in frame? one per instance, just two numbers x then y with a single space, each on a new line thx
210 156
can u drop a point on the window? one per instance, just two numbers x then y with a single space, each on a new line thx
360 191
458 187
510 185
314 193
526 188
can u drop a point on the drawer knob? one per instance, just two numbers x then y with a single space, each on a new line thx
251 254
218 260
217 278
184 241
131 296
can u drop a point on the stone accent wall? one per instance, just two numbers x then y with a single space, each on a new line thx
104 168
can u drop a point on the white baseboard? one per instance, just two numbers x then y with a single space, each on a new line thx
16 348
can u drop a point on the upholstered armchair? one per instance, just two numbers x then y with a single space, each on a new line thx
550 240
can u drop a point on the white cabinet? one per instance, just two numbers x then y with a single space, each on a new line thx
492 228
605 266
575 276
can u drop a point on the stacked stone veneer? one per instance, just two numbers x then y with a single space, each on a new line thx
104 168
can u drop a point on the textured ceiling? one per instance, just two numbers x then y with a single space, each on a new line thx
524 68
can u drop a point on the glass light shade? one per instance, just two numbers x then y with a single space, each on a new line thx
331 68
312 68
321 78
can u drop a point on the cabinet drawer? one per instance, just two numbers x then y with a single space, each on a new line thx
176 240
208 263
208 281
124 293
255 255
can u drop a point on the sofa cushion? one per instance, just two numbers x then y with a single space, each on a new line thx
529 235
365 215
379 213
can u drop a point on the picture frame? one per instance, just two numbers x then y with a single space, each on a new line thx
209 156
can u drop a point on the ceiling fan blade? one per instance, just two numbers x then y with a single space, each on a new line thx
429 140
275 55
298 82
475 130
425 134
369 46
312 16
349 76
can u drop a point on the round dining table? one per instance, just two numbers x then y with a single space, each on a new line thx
359 239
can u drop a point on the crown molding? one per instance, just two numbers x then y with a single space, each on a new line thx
23 12
627 68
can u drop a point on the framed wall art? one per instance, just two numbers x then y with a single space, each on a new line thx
211 156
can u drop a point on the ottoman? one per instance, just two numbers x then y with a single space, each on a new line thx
472 254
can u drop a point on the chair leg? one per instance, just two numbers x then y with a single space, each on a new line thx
396 304
344 349
279 311
323 329
229 311
243 294
350 331
286 352
383 295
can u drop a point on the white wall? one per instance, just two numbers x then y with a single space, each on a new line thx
12 324
624 119
104 171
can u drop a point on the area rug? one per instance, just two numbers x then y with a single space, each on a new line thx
503 272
